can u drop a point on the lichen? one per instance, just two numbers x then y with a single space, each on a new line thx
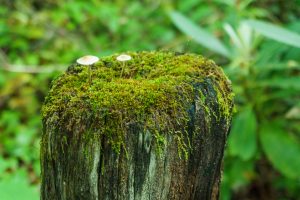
155 90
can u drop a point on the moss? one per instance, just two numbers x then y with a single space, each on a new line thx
154 90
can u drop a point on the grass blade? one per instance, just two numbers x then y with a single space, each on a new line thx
275 32
200 35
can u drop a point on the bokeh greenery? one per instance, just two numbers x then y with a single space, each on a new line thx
256 42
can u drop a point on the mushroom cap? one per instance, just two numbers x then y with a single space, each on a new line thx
87 60
123 57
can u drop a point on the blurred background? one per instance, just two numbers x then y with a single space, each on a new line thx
256 42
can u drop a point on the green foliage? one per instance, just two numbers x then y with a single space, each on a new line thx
243 135
16 187
265 76
198 34
255 41
275 32
273 136
35 35
239 173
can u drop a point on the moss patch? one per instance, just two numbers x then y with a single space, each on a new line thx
155 90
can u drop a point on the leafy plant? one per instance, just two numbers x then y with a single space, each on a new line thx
275 32
266 80
41 38
198 34
16 187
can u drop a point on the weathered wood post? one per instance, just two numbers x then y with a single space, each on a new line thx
153 128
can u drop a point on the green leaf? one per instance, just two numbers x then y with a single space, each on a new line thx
233 35
275 32
238 173
200 35
242 138
284 83
277 66
16 187
5 164
281 149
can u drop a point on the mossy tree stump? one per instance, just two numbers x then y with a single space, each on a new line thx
154 131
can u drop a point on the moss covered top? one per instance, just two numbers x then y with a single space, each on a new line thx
154 89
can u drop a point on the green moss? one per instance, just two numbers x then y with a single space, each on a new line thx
156 91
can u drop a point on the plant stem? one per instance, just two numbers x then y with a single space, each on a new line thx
89 74
123 65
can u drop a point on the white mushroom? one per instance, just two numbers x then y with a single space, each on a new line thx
87 60
123 57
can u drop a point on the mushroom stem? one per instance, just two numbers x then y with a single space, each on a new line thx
123 65
89 74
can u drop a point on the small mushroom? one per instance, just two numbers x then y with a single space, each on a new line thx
88 60
123 58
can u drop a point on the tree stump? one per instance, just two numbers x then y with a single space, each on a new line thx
153 127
